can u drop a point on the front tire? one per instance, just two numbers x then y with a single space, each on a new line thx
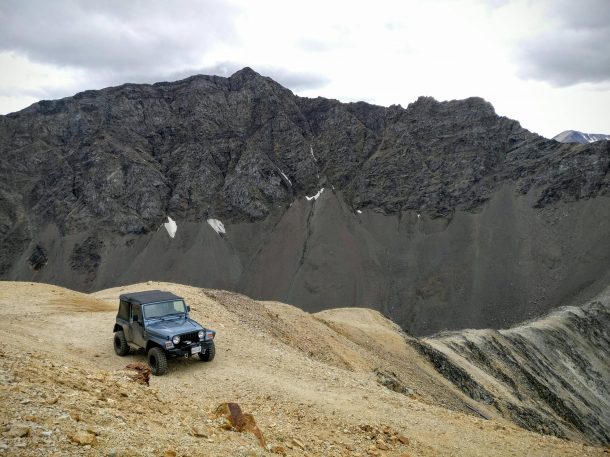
209 355
157 360
120 344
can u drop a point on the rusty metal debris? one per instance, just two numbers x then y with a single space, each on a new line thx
240 421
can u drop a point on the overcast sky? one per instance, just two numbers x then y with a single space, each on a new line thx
544 63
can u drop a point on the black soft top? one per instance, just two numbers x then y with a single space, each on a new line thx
149 296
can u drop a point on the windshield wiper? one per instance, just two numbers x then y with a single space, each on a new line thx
165 316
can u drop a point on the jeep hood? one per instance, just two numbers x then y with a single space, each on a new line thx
173 327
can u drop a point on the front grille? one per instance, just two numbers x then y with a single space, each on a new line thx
192 337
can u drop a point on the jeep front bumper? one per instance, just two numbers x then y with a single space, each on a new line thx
190 349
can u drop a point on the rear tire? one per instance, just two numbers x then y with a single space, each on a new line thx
209 355
157 360
120 344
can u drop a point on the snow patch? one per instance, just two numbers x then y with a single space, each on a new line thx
358 211
217 226
171 227
286 177
311 151
315 197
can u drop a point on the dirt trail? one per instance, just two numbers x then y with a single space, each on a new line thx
309 380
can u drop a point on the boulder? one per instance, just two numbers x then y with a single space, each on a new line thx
83 438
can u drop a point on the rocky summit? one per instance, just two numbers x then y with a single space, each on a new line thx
442 215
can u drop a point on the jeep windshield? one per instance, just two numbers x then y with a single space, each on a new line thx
164 309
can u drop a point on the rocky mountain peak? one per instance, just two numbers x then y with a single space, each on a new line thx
468 109
244 76
246 72
404 199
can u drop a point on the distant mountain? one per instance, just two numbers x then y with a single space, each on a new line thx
442 215
572 136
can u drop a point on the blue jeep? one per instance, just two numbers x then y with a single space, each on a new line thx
159 323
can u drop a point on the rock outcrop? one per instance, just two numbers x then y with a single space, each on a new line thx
548 375
441 215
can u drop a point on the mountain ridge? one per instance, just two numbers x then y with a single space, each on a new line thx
472 108
425 208
540 373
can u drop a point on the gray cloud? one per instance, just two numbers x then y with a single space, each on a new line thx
294 80
138 41
315 45
114 39
576 50
495 4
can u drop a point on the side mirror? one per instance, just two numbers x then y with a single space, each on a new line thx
188 309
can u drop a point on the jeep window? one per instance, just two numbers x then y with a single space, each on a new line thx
166 308
137 316
123 310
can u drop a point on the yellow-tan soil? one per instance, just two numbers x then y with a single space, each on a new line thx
308 380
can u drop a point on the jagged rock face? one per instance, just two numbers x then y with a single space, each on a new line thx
425 215
549 376
38 258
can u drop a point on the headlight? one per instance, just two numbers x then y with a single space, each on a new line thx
176 339
201 334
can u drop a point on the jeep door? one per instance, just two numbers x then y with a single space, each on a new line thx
137 326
